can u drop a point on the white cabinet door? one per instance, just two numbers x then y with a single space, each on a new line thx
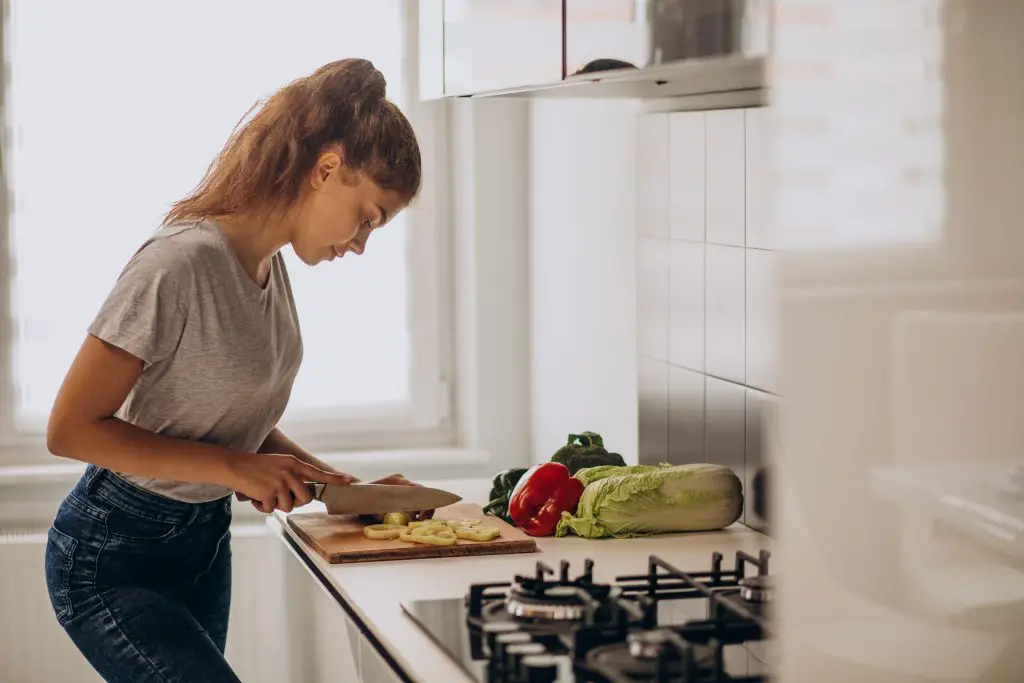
337 639
374 668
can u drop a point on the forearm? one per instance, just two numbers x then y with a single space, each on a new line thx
116 445
278 442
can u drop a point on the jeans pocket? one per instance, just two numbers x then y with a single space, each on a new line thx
59 561
125 526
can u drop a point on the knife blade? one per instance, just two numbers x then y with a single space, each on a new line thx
376 499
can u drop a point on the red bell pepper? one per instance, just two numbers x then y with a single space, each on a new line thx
541 496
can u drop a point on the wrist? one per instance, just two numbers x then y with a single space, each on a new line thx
225 466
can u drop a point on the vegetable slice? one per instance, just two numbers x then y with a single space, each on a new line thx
383 531
399 518
480 533
462 523
429 536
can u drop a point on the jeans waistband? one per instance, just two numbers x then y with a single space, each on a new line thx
116 491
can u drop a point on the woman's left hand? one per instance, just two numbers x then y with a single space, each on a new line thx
396 480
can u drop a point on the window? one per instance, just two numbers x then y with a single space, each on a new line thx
115 109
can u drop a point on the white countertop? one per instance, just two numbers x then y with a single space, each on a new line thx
374 591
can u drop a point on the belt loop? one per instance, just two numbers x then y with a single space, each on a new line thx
92 477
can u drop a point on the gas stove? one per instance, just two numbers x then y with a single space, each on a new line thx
665 625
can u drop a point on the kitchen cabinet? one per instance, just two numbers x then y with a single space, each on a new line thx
604 30
493 44
488 47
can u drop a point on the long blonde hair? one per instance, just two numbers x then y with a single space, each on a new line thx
266 159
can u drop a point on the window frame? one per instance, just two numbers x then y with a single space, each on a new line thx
429 422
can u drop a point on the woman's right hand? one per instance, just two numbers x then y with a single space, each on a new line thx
278 481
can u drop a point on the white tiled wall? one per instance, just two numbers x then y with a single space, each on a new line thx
706 320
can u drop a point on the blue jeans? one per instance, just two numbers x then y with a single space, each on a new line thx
140 582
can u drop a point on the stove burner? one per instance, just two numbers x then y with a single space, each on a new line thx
546 627
757 589
537 598
647 644
668 664
557 603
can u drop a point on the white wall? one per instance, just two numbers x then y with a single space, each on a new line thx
583 273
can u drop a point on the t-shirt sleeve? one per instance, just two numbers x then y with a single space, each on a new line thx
146 311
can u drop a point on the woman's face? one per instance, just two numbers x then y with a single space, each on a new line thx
340 211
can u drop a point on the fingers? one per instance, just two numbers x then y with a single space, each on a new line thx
241 497
310 473
301 493
285 501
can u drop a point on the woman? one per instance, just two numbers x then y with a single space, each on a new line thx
174 395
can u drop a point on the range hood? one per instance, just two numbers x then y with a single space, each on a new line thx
742 78
597 49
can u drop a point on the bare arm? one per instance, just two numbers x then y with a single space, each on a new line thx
82 426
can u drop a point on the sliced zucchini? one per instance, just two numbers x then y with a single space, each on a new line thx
399 518
462 523
383 531
479 533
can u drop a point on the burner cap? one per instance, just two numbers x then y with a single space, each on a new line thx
555 603
647 644
757 588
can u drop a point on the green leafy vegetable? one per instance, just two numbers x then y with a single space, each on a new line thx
585 450
645 499
501 491
591 474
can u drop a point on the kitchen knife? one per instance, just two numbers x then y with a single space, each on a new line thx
376 499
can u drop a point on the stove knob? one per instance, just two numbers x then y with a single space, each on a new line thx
499 653
514 654
538 669
496 628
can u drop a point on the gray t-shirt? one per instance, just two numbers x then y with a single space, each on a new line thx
219 352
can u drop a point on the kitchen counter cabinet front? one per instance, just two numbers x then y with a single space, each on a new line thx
392 648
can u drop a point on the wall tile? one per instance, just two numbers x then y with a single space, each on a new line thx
653 293
686 416
725 312
686 298
652 388
725 430
686 175
726 178
761 319
760 411
756 170
653 176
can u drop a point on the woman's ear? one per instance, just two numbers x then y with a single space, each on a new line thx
328 164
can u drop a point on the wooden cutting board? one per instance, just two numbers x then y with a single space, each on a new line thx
340 539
